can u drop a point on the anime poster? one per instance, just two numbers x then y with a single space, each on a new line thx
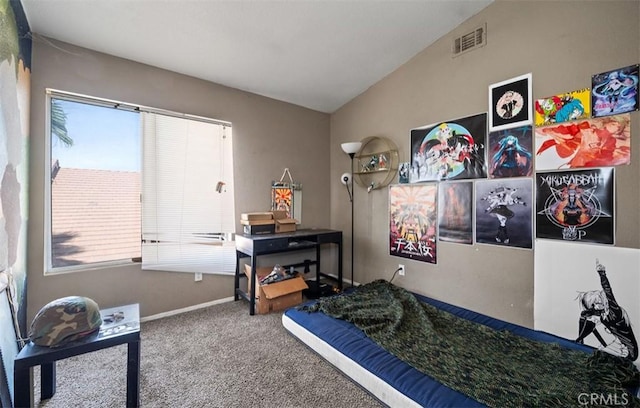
510 103
503 212
449 150
595 142
282 198
615 92
576 205
510 152
563 107
455 210
412 221
589 294
403 172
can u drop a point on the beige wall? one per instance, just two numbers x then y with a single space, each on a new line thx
268 136
562 44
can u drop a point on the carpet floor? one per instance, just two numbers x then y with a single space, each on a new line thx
219 356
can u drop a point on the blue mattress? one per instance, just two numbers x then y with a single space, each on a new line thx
353 344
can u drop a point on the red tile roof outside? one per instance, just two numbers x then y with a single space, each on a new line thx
96 216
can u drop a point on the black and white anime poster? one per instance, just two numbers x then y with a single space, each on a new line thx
589 294
576 205
455 212
450 150
503 212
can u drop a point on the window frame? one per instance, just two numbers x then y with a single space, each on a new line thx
50 94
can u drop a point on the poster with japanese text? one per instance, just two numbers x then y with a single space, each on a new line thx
564 107
449 150
576 205
455 212
413 221
595 142
503 212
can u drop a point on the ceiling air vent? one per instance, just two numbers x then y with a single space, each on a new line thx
470 41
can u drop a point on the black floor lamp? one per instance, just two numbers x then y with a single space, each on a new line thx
350 148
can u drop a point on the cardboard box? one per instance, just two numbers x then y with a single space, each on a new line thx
270 221
275 296
283 224
259 229
256 216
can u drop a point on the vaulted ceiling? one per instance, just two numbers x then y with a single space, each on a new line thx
314 53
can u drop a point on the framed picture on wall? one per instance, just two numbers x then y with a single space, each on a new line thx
510 103
451 150
413 221
563 107
504 212
455 212
576 205
595 142
510 152
615 92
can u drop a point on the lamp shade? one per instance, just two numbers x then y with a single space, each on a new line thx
351 147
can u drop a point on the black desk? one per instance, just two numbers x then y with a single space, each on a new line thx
256 245
126 331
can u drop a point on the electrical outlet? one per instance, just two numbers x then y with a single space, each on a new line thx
401 269
198 277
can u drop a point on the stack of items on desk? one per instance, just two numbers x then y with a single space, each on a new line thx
256 223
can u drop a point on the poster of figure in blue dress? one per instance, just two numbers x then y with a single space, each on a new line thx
413 221
576 205
615 91
503 212
449 150
510 152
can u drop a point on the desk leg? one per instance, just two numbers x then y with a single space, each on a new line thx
22 395
340 265
47 380
252 292
133 374
236 281
318 269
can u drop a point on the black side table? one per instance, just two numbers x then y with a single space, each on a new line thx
115 333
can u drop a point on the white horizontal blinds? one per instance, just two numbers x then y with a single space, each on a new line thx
188 217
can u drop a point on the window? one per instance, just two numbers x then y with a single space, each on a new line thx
103 159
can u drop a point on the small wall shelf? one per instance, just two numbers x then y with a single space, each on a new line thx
376 164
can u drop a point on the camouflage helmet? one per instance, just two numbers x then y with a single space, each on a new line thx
65 320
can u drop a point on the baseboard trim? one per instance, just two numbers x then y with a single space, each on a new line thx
186 309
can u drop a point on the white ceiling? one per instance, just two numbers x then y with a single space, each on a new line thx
315 53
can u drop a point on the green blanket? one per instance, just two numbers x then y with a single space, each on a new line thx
496 368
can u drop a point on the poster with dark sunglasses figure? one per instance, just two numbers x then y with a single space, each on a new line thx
576 205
